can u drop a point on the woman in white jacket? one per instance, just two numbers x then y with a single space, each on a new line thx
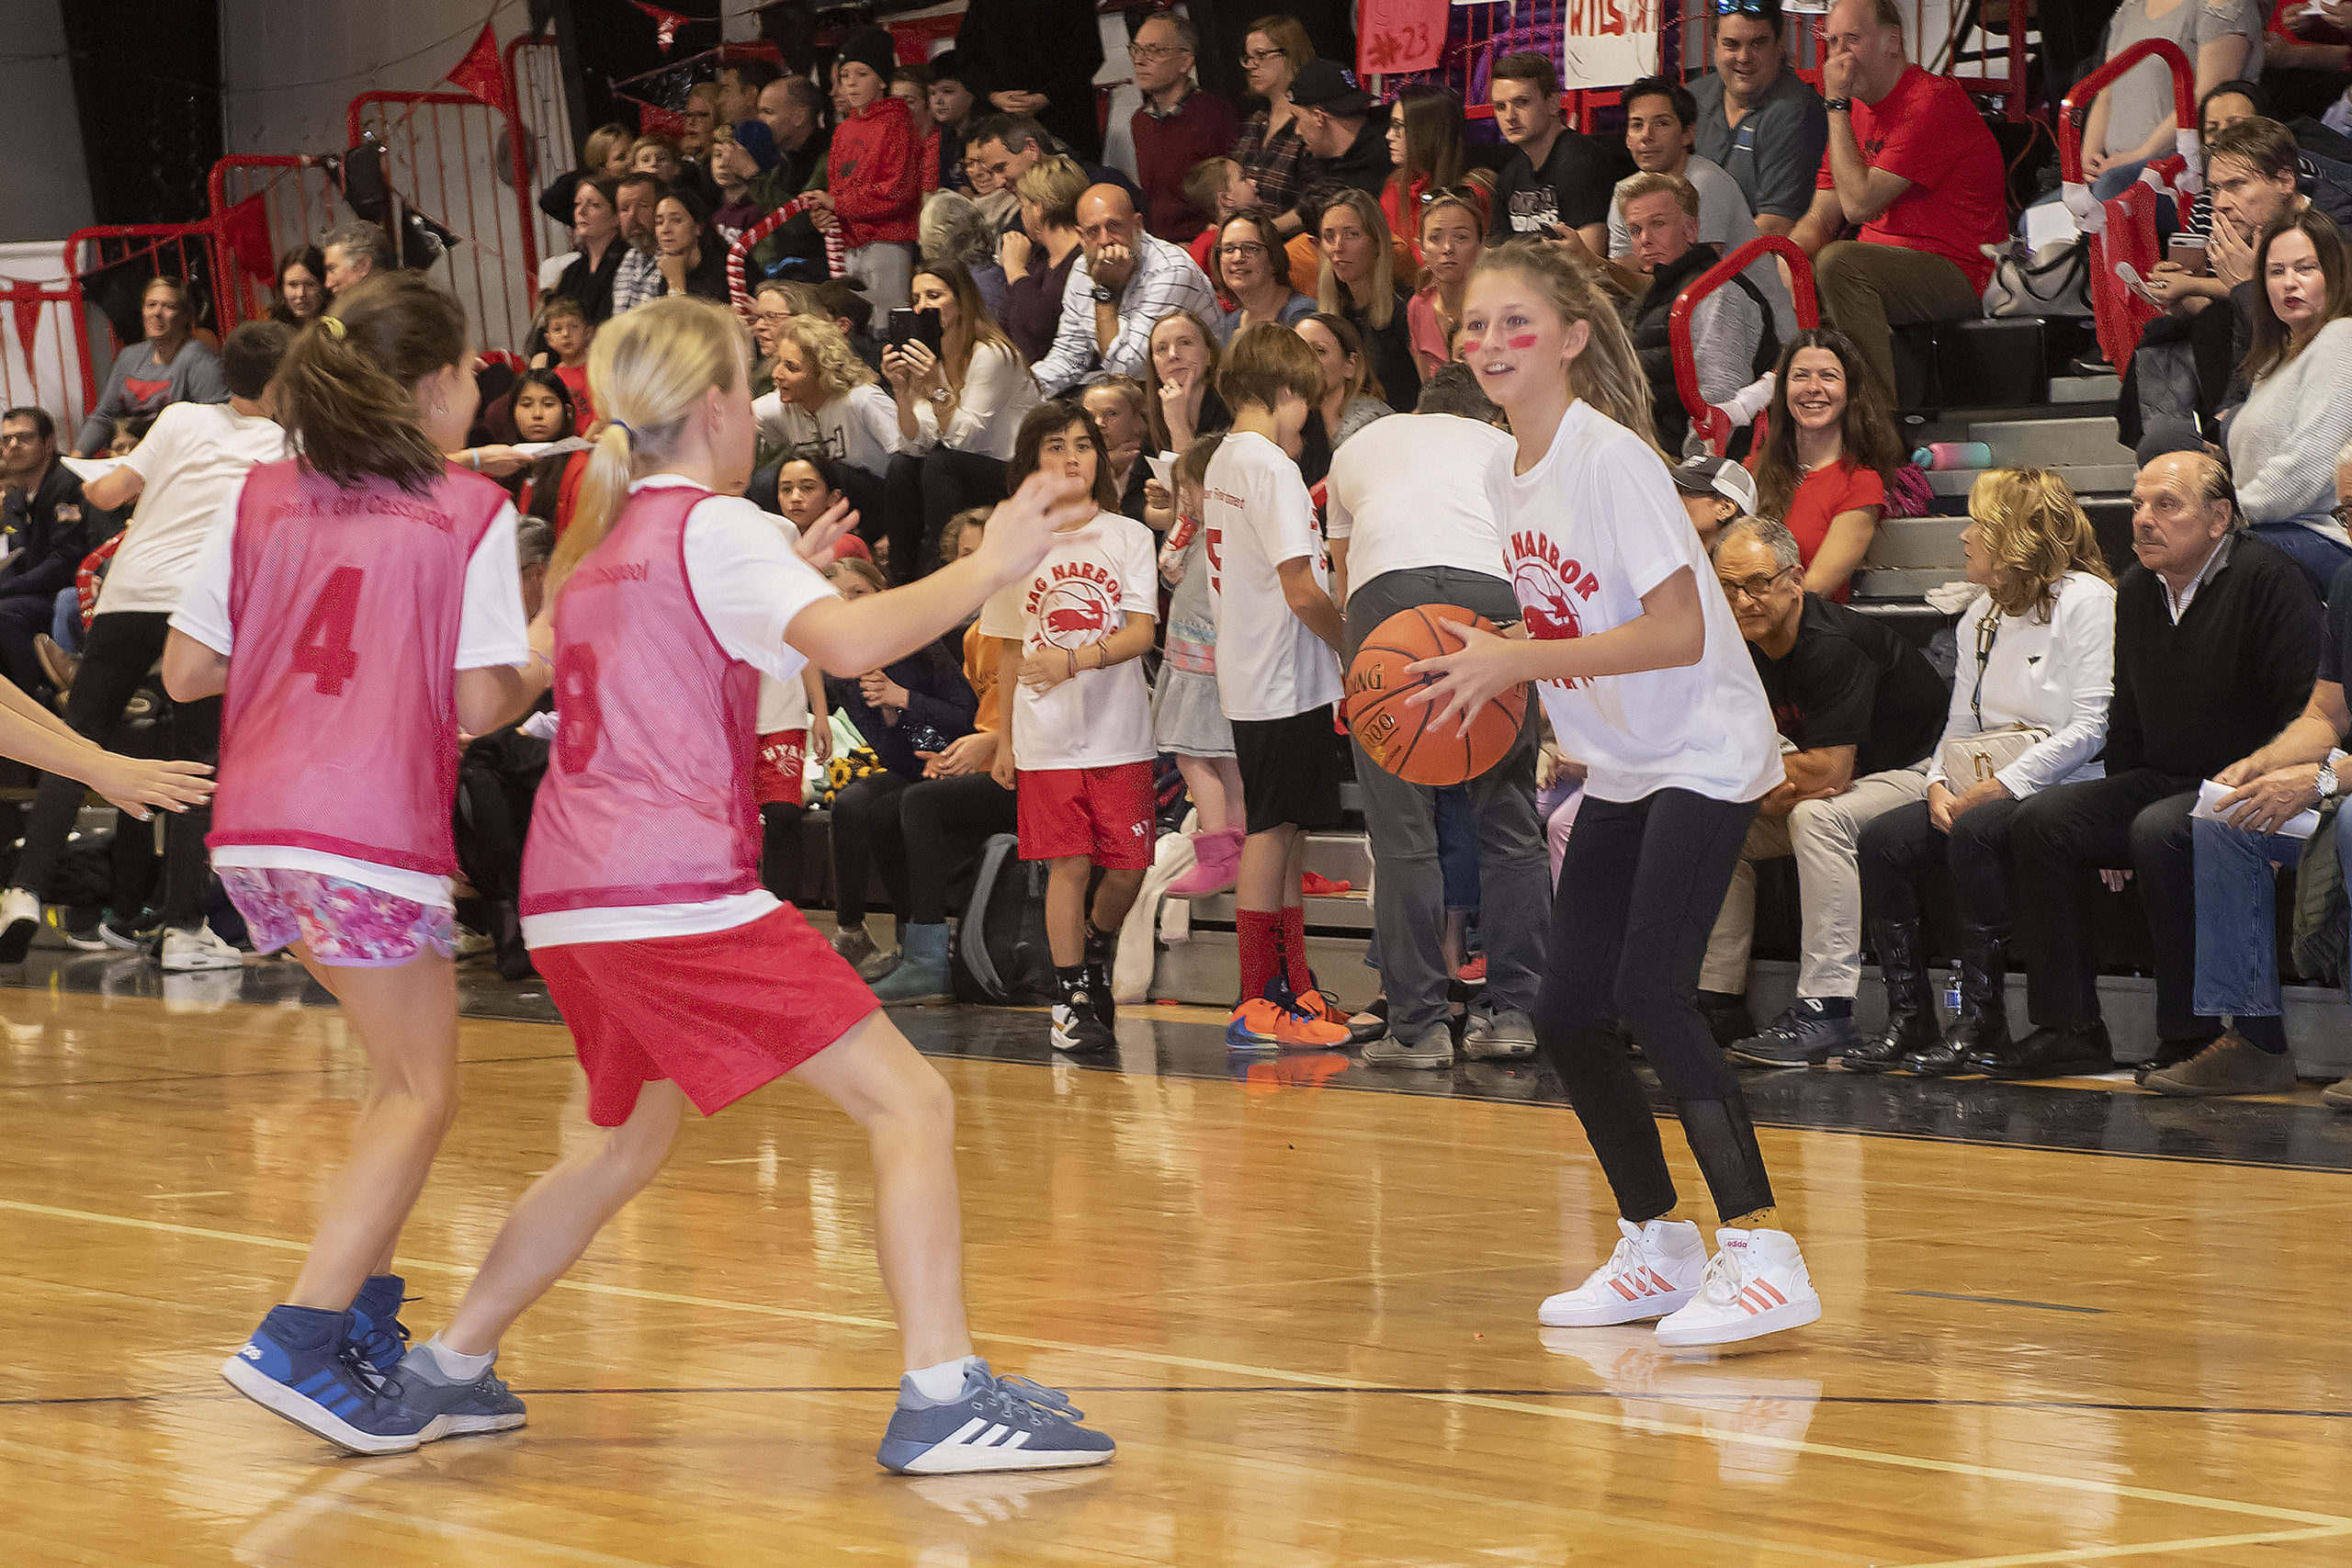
2037 667
959 411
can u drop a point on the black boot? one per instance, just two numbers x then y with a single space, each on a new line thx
1911 1024
1981 1033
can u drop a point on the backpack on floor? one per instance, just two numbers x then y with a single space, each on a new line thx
1000 956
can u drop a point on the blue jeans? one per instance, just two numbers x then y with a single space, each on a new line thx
2314 552
2237 949
66 620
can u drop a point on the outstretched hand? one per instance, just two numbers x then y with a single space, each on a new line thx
817 539
134 784
1487 666
1022 529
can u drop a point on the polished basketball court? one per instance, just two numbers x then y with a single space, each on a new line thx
2064 1324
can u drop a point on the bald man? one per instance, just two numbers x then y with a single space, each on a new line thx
2216 639
1124 280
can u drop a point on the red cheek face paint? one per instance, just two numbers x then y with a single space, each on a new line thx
1527 341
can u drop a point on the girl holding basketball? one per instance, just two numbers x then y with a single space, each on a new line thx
1646 679
684 981
1078 718
361 606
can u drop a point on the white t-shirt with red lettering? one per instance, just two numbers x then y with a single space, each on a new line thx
1091 580
1590 529
1257 514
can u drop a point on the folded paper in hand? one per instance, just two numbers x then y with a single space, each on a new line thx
2301 825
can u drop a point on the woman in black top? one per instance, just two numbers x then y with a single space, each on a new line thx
692 258
1359 283
596 230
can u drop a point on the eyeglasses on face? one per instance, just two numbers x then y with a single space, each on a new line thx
1145 52
1753 588
1253 59
1235 249
1768 9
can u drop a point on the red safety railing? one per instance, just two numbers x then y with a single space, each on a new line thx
535 86
464 164
44 356
263 204
187 251
1710 424
2122 231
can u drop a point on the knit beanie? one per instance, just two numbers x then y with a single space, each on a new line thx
869 46
754 137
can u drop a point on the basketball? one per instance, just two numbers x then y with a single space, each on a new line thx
1397 734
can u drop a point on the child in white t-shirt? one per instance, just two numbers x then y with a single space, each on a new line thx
1646 680
1278 676
1078 718
1187 713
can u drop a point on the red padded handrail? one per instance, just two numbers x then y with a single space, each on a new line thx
1678 320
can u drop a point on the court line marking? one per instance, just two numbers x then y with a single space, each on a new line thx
2330 1524
2153 1549
2005 1301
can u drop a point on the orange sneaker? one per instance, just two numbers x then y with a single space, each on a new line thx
1258 1024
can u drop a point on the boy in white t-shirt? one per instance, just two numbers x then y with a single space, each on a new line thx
1278 676
1080 718
190 464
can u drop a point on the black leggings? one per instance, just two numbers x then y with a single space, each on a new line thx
928 813
1896 847
865 840
123 647
780 849
923 492
1639 890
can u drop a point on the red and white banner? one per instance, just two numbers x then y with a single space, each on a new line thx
1607 43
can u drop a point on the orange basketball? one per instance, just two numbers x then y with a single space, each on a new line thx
1397 735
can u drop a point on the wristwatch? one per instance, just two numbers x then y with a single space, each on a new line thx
1104 296
2326 784
1837 105
939 394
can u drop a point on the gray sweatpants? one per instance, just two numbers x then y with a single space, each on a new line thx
1408 888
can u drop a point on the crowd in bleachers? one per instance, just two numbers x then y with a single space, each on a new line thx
1007 294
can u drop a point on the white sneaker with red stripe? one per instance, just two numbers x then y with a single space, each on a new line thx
1756 1284
1654 1271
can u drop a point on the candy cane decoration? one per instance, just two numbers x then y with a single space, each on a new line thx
739 253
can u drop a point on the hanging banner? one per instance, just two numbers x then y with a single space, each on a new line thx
1394 35
1607 43
479 74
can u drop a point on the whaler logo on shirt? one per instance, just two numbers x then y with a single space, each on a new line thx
1073 603
1547 589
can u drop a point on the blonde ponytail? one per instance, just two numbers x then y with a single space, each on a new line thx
1607 374
648 369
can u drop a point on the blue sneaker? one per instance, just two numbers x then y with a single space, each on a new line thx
376 1327
443 1408
302 1364
993 1424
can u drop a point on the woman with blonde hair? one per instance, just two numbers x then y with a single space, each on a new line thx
1038 252
825 397
959 412
2029 711
683 980
1642 670
1452 237
1359 282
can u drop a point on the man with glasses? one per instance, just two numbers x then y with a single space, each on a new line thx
1757 118
48 531
1179 124
1862 709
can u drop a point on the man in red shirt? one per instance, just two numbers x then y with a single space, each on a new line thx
1179 125
1911 162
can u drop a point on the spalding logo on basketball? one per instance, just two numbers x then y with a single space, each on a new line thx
1397 735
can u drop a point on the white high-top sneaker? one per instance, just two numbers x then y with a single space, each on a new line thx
1655 1269
1756 1284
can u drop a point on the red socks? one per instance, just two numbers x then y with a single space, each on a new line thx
1294 927
1260 934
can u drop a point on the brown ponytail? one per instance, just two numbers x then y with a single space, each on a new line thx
347 389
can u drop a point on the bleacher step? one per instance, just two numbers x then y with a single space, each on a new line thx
2096 478
1916 542
2051 443
2086 388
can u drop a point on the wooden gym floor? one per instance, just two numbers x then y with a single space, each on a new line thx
1306 1313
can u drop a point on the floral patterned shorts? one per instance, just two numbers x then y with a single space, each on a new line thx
346 924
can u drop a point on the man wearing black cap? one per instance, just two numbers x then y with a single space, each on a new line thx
1338 121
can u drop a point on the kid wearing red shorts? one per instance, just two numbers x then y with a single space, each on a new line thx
1079 719
684 981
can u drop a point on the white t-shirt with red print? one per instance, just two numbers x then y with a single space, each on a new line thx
1586 532
1257 515
1090 582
